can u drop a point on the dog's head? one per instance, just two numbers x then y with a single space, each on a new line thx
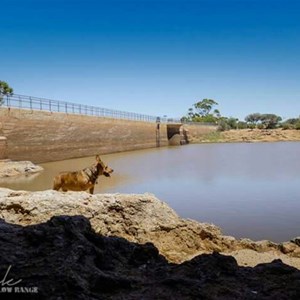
103 169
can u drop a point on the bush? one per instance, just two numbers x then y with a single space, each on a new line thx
241 125
223 126
286 126
251 126
297 126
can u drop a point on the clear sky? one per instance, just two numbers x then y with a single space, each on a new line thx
156 57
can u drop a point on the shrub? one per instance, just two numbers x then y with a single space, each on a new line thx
223 126
286 126
297 126
241 125
251 126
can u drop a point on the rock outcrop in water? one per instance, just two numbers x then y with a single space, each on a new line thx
65 259
141 219
10 168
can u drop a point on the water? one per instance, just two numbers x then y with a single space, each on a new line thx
249 190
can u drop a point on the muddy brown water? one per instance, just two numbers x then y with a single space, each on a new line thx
249 190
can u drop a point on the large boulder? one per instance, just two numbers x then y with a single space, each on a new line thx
138 218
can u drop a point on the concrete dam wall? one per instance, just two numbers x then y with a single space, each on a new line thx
41 136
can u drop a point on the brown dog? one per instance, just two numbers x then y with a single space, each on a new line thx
83 179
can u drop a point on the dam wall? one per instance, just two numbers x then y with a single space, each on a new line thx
42 136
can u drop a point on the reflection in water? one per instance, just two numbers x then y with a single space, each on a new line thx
249 190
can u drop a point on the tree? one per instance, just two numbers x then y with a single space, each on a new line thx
217 113
5 89
205 106
292 121
191 113
253 118
201 112
270 121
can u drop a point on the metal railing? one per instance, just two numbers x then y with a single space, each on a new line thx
36 103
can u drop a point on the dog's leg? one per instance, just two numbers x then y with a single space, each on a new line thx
92 190
56 185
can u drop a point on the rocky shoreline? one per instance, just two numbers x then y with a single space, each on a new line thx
9 168
125 246
142 218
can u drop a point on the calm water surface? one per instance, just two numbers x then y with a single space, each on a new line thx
249 190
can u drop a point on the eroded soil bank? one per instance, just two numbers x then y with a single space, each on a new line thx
249 135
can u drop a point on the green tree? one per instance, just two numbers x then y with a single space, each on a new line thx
253 118
201 112
217 113
292 121
5 89
191 113
270 121
205 106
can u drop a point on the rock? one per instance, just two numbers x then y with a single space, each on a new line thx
296 252
265 245
137 218
65 259
296 241
10 168
288 247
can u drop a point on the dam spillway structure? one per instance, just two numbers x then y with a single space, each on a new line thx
177 134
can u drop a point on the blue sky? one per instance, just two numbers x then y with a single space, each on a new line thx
155 57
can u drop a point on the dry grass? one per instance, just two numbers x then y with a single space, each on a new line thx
252 135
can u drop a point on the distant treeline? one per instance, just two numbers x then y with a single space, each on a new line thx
203 111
